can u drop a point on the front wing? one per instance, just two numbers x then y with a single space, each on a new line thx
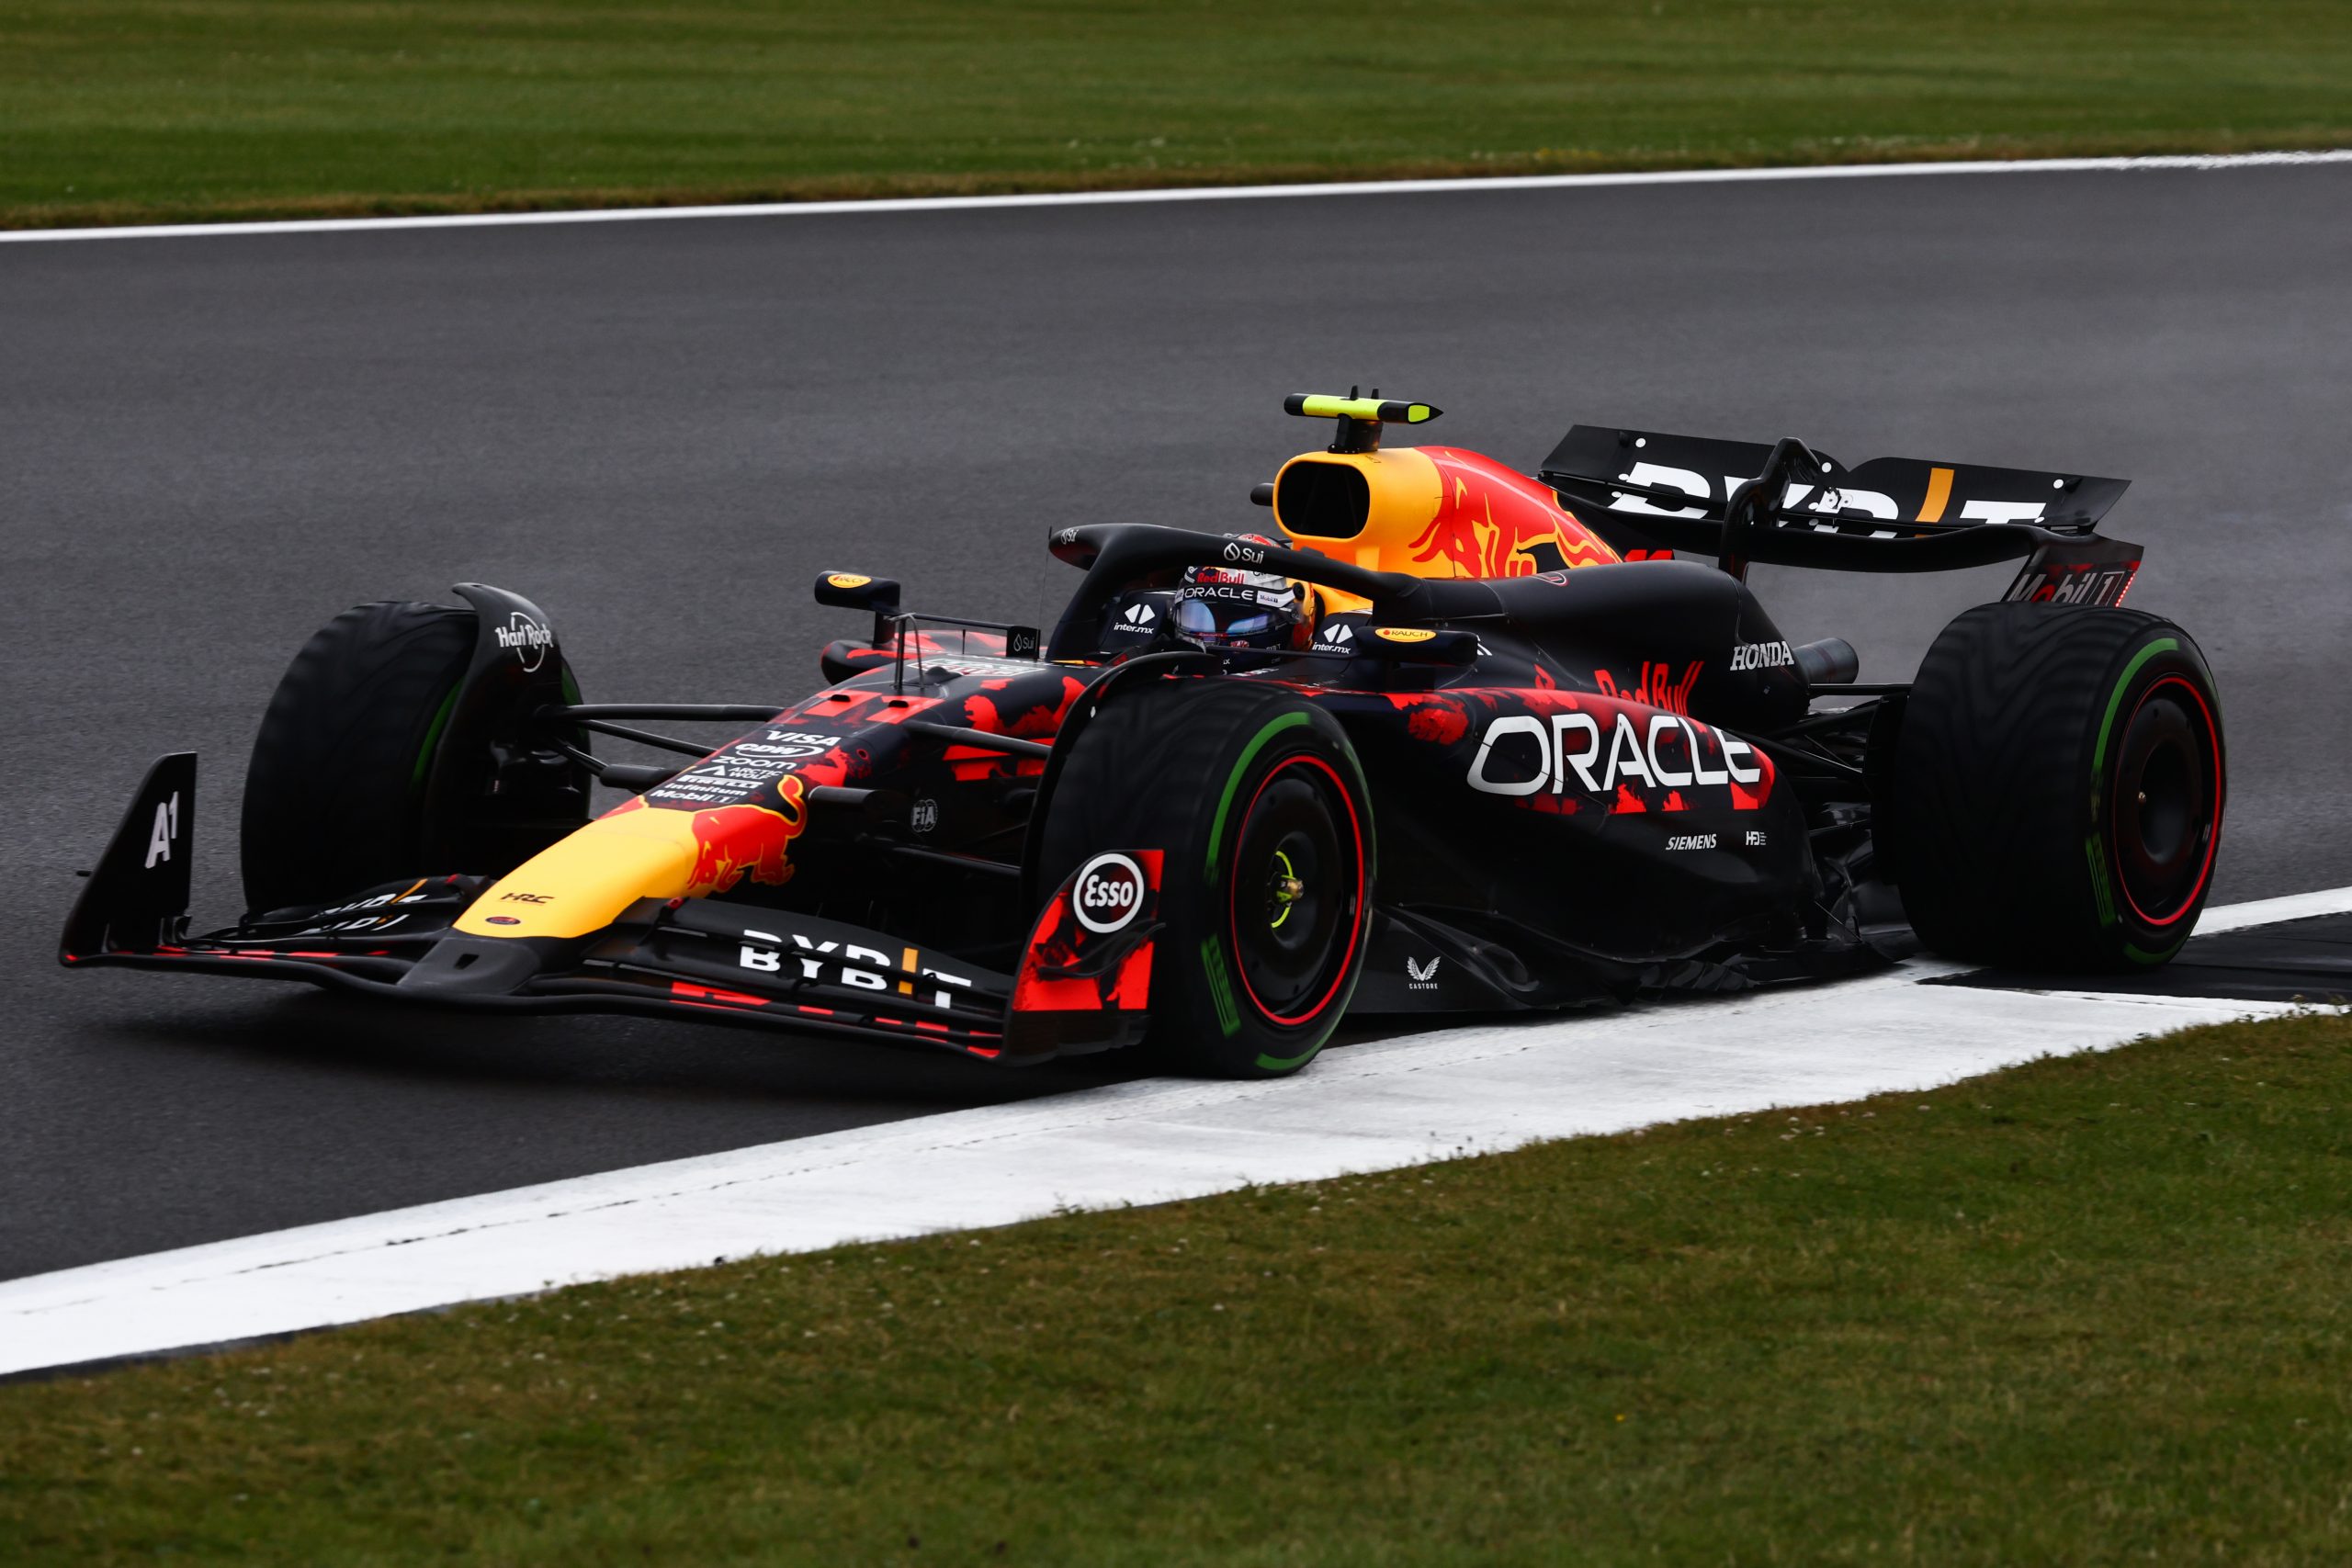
1078 988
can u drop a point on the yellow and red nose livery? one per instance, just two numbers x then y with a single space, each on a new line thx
581 883
1431 512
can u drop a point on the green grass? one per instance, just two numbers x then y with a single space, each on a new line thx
2088 1311
116 111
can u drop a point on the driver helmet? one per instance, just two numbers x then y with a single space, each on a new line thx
1222 606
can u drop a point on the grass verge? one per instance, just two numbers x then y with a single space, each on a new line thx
2090 1310
145 110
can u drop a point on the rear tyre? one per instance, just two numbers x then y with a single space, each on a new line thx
338 789
1259 804
2058 788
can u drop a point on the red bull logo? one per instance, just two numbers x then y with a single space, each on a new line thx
1493 522
733 840
1658 689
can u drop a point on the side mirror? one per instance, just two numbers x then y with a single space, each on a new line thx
854 591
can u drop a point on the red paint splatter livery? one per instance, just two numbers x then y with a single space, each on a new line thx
1061 944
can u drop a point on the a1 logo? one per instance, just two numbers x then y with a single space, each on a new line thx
166 829
1108 893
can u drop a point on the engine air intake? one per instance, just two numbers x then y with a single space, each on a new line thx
1322 501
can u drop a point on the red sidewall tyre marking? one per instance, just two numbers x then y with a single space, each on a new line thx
1356 920
2212 761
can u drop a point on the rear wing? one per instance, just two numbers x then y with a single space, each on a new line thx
1786 505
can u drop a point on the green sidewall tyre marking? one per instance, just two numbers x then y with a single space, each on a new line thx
2095 850
1233 784
1228 1012
433 736
1285 1064
2115 698
1272 1064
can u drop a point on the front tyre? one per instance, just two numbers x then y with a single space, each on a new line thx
342 795
1260 808
2059 783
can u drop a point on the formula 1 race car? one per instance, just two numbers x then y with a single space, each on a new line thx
1446 738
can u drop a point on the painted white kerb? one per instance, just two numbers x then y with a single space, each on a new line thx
1186 193
1370 1107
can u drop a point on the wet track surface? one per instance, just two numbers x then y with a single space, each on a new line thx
662 431
2292 961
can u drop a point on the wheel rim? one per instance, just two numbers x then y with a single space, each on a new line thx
1296 890
2167 801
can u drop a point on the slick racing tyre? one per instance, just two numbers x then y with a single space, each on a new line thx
2059 780
337 793
1259 804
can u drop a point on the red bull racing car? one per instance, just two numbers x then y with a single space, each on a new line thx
1445 738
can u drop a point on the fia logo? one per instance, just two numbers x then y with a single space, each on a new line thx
1420 976
923 816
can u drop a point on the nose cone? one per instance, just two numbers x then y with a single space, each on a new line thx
581 883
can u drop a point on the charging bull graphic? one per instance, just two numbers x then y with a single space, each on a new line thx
733 840
1493 522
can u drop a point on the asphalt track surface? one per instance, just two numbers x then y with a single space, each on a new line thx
661 431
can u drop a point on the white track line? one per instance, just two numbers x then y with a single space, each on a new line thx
1189 193
1393 1102
2270 911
